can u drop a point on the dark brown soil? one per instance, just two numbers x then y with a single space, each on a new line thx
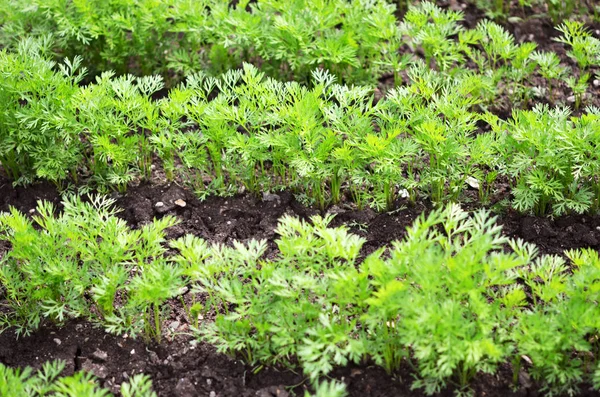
180 368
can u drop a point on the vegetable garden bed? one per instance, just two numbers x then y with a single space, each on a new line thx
319 198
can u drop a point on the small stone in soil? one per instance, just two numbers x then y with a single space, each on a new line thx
185 388
100 355
98 370
472 182
180 203
273 391
57 341
271 197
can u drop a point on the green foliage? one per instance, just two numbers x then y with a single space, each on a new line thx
550 68
429 27
443 295
327 142
328 389
584 48
82 259
446 297
560 333
449 299
300 304
120 35
47 381
38 133
546 155
183 36
107 112
557 10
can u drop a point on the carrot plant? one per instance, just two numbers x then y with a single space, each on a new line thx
305 34
443 296
446 299
118 118
120 35
297 305
179 37
583 47
550 68
429 28
48 380
560 334
537 158
76 264
38 133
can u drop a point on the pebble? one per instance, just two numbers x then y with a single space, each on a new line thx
474 183
180 203
159 204
571 99
212 394
185 388
183 290
57 341
99 371
596 83
100 355
132 351
271 197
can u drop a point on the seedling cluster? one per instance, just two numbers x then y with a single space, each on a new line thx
48 381
341 102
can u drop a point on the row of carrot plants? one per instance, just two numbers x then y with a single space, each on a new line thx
51 380
357 40
175 37
453 299
432 137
